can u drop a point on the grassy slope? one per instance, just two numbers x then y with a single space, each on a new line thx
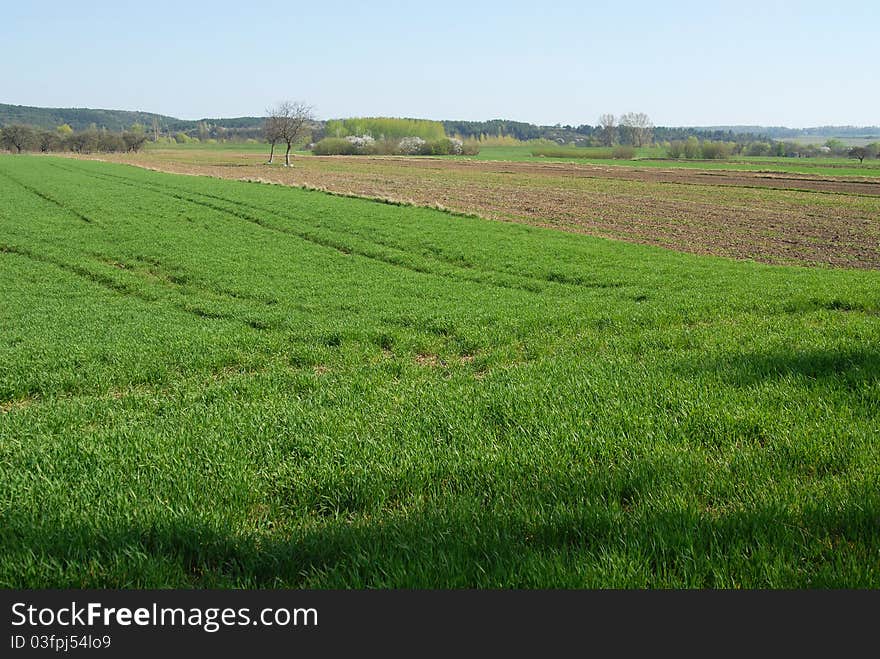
214 383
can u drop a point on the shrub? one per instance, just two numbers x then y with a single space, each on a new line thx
84 142
456 146
334 146
504 140
692 148
675 149
384 148
470 148
110 143
362 143
133 141
410 146
623 153
838 148
758 149
444 147
715 150
572 152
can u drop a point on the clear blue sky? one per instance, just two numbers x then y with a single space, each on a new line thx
684 63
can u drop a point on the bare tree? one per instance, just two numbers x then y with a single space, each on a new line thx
288 123
18 137
859 152
607 124
637 127
134 140
272 133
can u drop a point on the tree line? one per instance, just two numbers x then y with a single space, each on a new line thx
19 138
629 129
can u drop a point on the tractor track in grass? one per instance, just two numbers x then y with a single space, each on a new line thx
458 271
325 242
766 217
45 197
120 288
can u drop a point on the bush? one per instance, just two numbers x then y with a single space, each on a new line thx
758 149
133 141
443 147
334 146
623 153
110 143
470 148
384 148
572 152
362 143
84 142
690 148
838 148
408 146
675 149
411 146
715 150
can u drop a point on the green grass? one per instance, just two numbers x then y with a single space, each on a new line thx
654 157
213 383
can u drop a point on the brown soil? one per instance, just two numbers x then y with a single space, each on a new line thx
687 176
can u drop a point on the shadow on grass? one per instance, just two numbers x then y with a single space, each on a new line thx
461 547
853 367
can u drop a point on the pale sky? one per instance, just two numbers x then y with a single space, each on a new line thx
683 63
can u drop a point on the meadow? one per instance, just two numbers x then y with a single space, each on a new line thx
219 383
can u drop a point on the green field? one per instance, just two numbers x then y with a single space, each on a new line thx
654 157
215 383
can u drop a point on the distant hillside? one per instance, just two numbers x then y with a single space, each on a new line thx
246 127
782 132
116 120
585 133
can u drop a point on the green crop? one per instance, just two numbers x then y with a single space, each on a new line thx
214 383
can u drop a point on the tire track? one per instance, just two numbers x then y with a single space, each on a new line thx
326 242
532 284
45 197
120 288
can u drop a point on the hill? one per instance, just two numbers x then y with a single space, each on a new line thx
116 120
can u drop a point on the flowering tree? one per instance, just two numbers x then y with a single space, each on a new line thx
411 145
